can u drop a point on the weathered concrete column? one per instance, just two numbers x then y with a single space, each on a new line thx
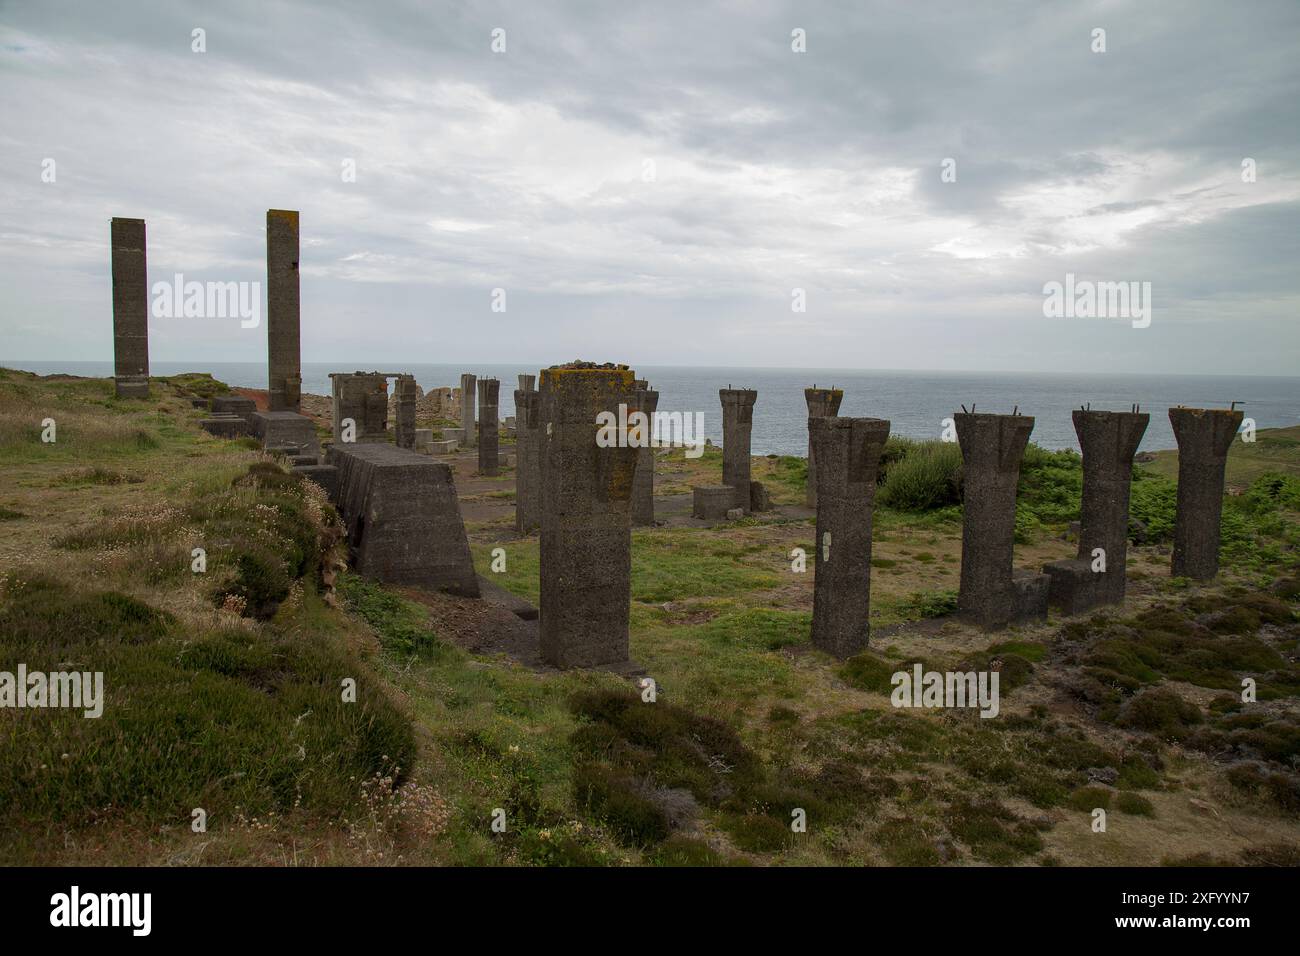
489 429
130 308
528 452
822 403
405 392
848 450
990 593
363 398
283 316
468 395
643 487
1109 441
737 423
586 542
1204 436
527 383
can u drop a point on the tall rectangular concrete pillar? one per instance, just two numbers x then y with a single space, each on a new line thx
489 430
130 308
528 468
1204 436
643 488
283 339
848 451
991 593
468 396
737 423
405 392
1109 440
822 403
527 383
586 541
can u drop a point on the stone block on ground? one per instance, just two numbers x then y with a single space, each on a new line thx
712 502
403 518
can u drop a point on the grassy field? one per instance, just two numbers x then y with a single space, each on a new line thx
224 687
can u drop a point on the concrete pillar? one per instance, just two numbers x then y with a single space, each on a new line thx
284 359
848 450
643 487
586 541
1109 441
737 422
489 431
1204 436
527 383
822 403
130 308
362 397
528 451
405 392
468 395
991 449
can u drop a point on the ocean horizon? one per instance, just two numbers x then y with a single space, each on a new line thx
914 402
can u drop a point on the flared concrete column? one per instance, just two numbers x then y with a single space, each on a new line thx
468 396
586 539
1204 436
528 451
283 316
991 449
489 429
643 488
1109 440
130 308
848 451
822 403
737 423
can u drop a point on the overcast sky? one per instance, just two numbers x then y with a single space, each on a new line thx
648 184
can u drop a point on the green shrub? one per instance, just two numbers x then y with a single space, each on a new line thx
1161 712
928 476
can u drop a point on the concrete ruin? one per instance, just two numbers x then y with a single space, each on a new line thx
849 452
1204 436
234 404
527 383
586 537
643 488
712 502
403 518
992 593
737 423
407 394
528 449
1109 441
130 308
362 398
822 403
489 433
287 431
284 362
468 391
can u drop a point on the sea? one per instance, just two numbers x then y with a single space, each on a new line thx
915 402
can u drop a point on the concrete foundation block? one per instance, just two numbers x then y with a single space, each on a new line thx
454 434
1030 590
234 405
286 429
759 499
443 447
403 518
712 502
224 426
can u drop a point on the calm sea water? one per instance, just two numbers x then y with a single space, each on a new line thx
914 402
